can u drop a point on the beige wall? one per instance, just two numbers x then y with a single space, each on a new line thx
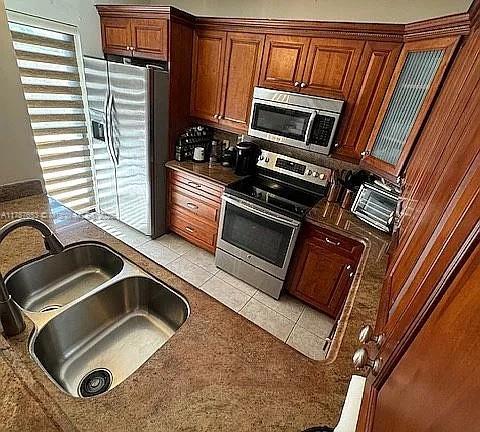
18 156
391 11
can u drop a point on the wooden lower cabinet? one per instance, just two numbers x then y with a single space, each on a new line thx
194 208
323 268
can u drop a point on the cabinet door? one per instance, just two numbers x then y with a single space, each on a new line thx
331 66
208 60
323 269
414 84
241 72
371 81
150 38
116 36
283 62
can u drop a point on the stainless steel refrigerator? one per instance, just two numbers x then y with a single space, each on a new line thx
128 108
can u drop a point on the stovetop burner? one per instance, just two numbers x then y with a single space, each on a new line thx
276 194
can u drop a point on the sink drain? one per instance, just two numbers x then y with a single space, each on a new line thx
50 308
95 382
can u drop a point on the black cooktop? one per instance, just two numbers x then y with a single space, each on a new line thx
276 194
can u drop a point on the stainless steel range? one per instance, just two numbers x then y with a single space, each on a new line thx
261 217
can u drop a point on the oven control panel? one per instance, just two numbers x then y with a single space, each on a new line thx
295 168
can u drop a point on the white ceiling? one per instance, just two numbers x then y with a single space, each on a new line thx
389 11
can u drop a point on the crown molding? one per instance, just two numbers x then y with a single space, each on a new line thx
451 25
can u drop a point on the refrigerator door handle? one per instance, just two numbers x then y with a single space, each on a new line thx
110 127
115 143
108 138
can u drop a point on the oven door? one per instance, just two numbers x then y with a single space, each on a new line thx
279 122
258 236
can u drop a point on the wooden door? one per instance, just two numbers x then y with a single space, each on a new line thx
434 383
116 36
331 66
362 106
150 38
207 72
417 77
322 269
241 72
283 62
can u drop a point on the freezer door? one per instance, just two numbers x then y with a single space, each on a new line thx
129 88
96 80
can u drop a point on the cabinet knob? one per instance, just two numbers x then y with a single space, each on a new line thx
297 83
365 153
366 335
303 85
361 360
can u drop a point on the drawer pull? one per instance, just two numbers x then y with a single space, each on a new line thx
195 185
189 229
192 206
335 243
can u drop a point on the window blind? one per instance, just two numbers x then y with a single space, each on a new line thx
47 60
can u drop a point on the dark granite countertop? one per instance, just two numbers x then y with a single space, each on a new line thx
219 372
217 173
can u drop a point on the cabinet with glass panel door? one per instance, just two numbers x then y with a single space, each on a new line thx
417 77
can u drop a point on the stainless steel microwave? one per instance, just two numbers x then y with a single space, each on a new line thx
306 122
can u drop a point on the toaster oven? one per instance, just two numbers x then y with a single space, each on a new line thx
376 206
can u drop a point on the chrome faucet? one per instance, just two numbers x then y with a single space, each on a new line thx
10 315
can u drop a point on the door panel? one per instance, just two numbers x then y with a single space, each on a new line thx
116 36
322 269
331 66
371 81
208 60
435 385
130 117
283 61
150 38
96 81
414 84
241 73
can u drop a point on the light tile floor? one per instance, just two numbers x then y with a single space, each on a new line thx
288 319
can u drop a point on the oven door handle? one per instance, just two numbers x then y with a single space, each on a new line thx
308 132
261 212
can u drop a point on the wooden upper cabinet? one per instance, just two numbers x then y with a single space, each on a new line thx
150 38
322 268
284 62
366 95
331 66
207 72
116 35
241 73
413 87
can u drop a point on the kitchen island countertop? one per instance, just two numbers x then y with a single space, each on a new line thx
219 372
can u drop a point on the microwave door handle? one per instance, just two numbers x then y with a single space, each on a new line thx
309 127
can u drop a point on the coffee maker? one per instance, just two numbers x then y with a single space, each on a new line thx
247 155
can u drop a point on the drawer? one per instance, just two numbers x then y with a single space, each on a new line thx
186 200
196 185
337 241
193 229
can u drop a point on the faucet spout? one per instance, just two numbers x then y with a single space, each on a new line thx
10 315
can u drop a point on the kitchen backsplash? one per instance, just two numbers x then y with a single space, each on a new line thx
296 153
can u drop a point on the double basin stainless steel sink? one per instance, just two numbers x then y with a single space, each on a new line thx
98 317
